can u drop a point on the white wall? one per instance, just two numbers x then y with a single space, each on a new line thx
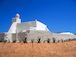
2 35
35 34
63 36
25 26
32 25
12 28
16 20
41 26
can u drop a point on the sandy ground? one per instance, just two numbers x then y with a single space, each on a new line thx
62 49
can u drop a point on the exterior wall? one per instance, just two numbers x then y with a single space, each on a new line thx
21 36
67 33
16 20
35 34
63 36
41 26
2 36
12 28
25 26
13 36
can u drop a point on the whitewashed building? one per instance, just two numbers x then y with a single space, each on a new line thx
32 30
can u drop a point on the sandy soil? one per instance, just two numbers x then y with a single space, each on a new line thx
62 49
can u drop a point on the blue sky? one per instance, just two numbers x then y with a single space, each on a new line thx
58 15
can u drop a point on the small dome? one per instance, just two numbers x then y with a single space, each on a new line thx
17 15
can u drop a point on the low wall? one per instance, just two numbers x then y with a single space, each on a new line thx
13 36
43 35
63 36
35 34
2 36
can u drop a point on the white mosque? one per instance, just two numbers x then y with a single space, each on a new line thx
32 30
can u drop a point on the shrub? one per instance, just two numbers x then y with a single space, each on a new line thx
48 40
73 38
19 41
14 41
8 41
44 41
25 40
58 41
0 40
62 40
69 39
5 41
54 40
39 40
32 40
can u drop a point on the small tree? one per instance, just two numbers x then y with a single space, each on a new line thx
58 41
44 41
8 41
39 40
25 40
62 40
5 41
14 41
0 40
66 40
48 40
19 41
54 40
69 39
32 40
73 38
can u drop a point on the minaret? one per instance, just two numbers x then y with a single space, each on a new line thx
13 28
16 19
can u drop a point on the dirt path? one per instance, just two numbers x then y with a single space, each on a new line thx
62 49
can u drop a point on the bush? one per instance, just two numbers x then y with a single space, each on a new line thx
5 41
44 41
73 38
8 41
25 40
69 39
39 40
48 40
58 41
32 40
64 41
19 41
54 40
61 40
0 40
14 41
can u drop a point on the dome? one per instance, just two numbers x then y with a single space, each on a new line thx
17 15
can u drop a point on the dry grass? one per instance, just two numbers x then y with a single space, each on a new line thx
61 49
